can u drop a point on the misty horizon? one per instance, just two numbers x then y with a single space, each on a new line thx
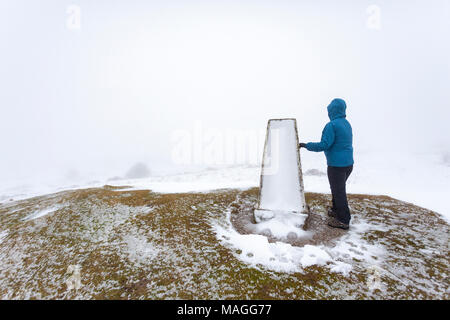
112 90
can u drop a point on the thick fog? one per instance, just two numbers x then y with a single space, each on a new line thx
90 88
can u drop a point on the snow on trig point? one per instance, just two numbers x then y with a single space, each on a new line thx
281 186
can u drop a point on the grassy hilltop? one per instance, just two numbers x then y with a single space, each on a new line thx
145 245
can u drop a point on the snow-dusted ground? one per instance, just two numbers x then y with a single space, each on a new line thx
144 245
422 179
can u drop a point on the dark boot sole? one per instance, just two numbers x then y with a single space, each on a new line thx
338 227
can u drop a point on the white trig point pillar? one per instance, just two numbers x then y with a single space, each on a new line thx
281 185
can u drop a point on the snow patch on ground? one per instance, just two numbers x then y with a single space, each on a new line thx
139 250
256 250
41 213
353 247
279 256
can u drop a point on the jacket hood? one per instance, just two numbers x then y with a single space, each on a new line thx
336 109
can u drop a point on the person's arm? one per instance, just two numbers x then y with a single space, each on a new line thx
325 143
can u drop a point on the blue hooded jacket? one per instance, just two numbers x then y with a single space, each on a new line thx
337 137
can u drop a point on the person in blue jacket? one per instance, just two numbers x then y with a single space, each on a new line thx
337 143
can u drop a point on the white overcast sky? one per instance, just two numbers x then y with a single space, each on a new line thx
112 93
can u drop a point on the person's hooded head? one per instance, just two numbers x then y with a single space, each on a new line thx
336 109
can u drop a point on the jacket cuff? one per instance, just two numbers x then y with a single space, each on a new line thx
308 145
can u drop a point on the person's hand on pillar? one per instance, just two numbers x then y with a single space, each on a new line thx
302 145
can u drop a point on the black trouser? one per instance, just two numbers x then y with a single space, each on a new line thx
337 176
